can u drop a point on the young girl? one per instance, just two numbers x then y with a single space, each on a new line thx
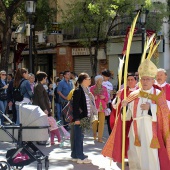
53 129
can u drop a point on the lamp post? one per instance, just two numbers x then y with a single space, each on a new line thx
143 16
30 7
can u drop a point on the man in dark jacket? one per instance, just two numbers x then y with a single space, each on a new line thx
41 98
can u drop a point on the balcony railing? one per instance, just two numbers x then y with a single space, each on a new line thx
76 33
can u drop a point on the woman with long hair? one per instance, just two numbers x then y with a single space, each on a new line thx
21 83
83 107
3 94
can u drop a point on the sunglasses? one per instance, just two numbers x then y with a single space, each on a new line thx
3 74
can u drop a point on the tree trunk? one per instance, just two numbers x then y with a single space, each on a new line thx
6 41
93 60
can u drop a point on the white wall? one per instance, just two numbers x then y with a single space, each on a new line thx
113 66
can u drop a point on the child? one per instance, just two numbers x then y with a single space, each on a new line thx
53 129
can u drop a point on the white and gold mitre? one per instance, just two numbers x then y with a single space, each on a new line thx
147 68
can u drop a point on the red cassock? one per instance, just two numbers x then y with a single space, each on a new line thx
166 90
113 146
117 129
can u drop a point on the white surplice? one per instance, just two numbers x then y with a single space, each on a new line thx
143 157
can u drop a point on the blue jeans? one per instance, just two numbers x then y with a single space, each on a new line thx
59 108
3 105
77 151
17 114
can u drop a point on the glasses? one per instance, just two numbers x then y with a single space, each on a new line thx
147 79
3 74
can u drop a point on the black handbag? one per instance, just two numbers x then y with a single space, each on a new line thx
3 95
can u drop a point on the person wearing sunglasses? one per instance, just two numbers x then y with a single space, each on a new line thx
3 94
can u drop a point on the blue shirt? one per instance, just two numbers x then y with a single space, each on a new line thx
26 89
64 87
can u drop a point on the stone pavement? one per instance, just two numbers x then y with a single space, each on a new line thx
59 157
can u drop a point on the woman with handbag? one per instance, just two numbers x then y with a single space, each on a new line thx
101 99
3 94
83 108
22 92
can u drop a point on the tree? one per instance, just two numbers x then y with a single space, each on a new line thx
13 12
7 9
99 19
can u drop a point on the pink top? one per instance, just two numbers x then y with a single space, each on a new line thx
101 104
52 123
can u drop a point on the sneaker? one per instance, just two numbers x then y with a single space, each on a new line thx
84 161
85 156
74 159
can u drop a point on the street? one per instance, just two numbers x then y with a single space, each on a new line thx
59 157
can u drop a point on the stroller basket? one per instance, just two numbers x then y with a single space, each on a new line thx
34 127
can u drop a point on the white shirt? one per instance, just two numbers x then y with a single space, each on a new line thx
109 87
161 85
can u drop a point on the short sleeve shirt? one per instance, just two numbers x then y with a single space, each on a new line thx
109 87
64 87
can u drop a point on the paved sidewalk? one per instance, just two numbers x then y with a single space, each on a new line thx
60 157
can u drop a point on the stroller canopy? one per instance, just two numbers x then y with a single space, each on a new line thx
31 115
34 125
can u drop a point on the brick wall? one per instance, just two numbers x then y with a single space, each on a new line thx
64 59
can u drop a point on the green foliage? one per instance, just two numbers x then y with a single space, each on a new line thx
45 14
93 21
8 3
157 12
96 19
100 18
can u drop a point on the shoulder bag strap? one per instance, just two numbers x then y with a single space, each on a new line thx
21 83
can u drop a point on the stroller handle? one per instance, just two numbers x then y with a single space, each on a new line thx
6 117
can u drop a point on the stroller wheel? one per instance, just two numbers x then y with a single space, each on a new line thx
39 166
46 163
4 165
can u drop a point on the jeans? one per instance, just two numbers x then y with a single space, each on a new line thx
77 152
17 114
3 105
72 136
59 108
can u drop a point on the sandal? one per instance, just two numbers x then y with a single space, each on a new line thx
100 140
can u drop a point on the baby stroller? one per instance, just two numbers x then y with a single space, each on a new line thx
34 127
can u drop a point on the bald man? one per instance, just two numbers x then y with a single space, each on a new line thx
161 78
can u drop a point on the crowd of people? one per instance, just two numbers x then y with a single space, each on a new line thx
147 132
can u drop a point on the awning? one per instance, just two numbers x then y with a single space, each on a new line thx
46 51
